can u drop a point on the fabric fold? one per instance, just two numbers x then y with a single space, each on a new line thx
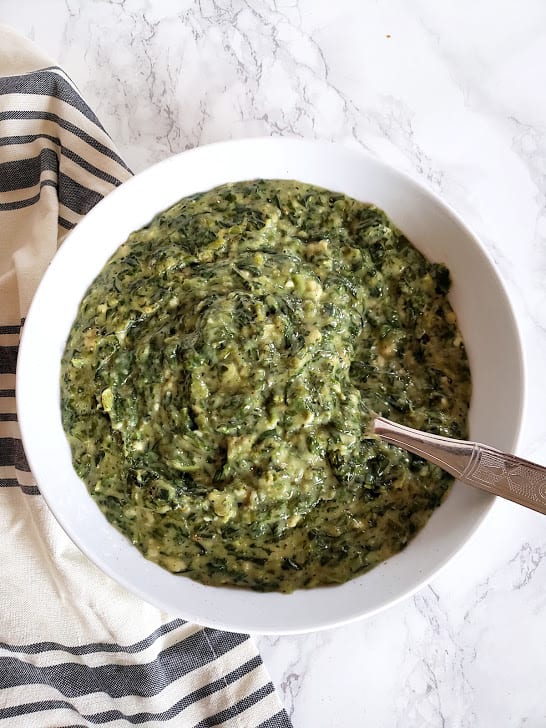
76 649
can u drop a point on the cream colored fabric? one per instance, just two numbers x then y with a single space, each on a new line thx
76 649
19 55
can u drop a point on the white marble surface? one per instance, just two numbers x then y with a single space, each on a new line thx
454 93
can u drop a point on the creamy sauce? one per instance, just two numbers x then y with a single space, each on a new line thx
220 378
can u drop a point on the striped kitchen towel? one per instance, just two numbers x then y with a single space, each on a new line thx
76 649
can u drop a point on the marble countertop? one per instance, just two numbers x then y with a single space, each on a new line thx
453 93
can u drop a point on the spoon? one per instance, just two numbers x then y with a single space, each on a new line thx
472 463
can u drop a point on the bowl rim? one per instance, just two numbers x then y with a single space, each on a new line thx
24 368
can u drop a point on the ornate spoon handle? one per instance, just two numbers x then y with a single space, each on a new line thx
479 465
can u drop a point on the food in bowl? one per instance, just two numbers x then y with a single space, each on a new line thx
222 371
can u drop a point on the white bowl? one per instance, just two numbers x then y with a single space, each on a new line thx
478 297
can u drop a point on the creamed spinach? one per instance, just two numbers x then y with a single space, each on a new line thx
220 377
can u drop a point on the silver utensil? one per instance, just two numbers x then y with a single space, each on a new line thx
472 463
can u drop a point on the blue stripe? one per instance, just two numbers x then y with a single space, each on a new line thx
47 83
147 717
35 648
73 679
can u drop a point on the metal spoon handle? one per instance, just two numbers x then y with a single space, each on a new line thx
470 462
